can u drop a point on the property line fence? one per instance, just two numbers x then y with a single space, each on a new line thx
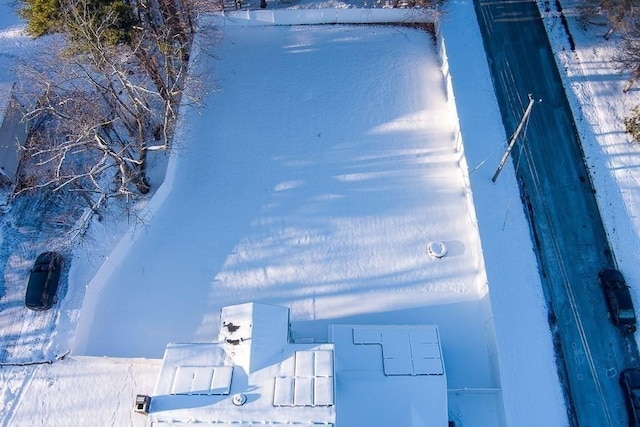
324 16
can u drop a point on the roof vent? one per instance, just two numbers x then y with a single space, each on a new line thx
437 249
239 399
142 404
231 327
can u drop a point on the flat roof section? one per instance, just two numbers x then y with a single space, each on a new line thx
405 350
389 375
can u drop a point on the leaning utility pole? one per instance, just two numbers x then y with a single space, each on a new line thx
505 156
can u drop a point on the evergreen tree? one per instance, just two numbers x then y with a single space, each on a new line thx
42 16
52 16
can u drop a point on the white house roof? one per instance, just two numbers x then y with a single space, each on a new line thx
389 375
5 96
375 374
282 382
12 134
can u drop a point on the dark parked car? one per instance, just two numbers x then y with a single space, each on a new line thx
43 281
630 381
618 299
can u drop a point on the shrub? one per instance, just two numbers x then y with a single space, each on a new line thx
632 123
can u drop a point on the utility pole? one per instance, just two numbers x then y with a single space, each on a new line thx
505 156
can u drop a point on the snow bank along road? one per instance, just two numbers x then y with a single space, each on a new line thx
567 229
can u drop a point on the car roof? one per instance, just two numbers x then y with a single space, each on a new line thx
41 283
612 274
632 375
36 286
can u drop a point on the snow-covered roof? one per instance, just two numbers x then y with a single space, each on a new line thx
389 375
12 134
5 96
282 382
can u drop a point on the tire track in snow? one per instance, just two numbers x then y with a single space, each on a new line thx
33 224
23 377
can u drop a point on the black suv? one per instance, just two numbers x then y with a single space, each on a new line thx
618 299
630 381
43 281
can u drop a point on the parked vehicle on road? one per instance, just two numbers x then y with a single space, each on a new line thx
630 382
619 299
43 281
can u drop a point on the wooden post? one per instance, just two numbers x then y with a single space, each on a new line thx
505 156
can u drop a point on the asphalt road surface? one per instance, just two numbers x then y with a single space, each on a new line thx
565 223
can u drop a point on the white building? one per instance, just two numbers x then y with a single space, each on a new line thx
13 133
254 376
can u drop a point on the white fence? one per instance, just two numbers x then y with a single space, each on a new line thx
324 16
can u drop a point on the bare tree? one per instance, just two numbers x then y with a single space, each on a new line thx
109 97
77 141
619 14
590 12
628 55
